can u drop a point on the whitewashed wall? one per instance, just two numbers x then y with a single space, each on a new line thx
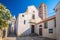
51 26
23 29
45 31
57 10
37 29
37 18
30 13
17 21
58 24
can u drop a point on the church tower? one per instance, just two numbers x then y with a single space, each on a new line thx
42 11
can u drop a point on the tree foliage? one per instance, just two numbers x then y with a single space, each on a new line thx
5 15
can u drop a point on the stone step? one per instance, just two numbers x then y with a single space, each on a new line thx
10 38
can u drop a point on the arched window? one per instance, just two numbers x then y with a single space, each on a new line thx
22 15
40 25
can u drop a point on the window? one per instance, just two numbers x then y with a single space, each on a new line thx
22 15
40 25
50 30
55 22
33 11
33 16
40 15
24 21
45 25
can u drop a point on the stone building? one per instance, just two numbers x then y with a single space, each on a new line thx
34 20
57 11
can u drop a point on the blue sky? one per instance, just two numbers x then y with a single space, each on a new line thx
19 6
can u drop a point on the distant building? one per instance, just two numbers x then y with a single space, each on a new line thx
12 28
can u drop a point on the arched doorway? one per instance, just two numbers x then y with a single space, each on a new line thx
32 28
40 31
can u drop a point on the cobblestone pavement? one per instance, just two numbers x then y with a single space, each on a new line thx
12 36
27 38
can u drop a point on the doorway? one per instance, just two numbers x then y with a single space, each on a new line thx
40 31
32 28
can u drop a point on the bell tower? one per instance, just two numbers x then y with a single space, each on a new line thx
42 11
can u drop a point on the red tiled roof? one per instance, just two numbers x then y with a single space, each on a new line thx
47 19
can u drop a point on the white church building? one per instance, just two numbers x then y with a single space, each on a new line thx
25 22
34 20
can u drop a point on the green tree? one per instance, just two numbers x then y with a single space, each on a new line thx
5 16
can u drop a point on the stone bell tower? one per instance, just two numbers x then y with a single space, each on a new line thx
42 11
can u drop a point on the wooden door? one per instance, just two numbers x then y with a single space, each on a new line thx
32 28
40 31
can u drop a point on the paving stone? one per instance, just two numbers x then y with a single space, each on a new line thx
27 38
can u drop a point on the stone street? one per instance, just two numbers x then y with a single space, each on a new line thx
27 38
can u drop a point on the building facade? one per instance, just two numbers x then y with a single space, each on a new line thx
26 20
34 20
57 11
47 27
12 27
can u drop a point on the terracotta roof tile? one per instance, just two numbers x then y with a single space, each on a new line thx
47 19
